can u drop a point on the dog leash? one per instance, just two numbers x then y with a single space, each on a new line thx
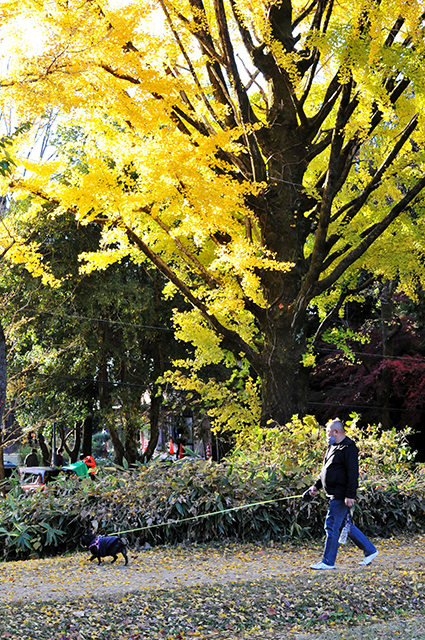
205 515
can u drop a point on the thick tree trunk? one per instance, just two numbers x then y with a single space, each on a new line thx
45 451
156 399
284 380
132 439
87 435
119 451
72 453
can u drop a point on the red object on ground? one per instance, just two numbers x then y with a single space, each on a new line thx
91 465
181 455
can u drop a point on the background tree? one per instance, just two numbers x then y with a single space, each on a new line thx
14 249
359 372
259 155
90 344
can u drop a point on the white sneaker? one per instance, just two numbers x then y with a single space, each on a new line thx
369 559
321 565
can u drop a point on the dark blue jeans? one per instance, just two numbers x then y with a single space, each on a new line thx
334 519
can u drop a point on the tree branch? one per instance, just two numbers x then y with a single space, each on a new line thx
201 32
327 321
231 340
303 14
355 205
330 186
177 114
245 34
374 233
280 17
331 96
210 280
394 31
6 249
247 114
190 65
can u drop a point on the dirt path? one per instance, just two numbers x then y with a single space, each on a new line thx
70 577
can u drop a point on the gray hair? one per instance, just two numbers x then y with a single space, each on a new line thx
336 423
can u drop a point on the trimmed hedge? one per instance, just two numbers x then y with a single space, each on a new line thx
51 521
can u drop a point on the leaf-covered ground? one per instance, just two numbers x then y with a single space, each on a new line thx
228 591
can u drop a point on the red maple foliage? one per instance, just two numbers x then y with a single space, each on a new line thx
373 384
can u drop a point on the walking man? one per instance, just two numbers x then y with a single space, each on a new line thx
339 480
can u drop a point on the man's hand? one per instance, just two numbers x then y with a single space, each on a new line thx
349 502
313 490
309 494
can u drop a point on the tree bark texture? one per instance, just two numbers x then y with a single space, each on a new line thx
156 399
87 435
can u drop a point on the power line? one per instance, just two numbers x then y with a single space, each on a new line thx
146 386
167 330
368 408
104 321
375 355
87 380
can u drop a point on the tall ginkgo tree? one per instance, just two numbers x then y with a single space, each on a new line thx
260 154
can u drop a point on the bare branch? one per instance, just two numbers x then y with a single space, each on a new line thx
190 65
303 14
247 114
252 81
199 30
6 249
245 34
394 31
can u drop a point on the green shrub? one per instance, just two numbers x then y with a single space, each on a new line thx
298 447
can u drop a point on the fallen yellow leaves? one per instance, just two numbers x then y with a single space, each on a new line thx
208 592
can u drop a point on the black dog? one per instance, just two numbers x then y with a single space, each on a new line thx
101 546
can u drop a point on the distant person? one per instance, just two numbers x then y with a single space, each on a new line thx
90 462
58 459
339 479
31 459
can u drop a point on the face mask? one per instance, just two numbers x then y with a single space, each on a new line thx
331 440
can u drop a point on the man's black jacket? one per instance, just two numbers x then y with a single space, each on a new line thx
340 471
